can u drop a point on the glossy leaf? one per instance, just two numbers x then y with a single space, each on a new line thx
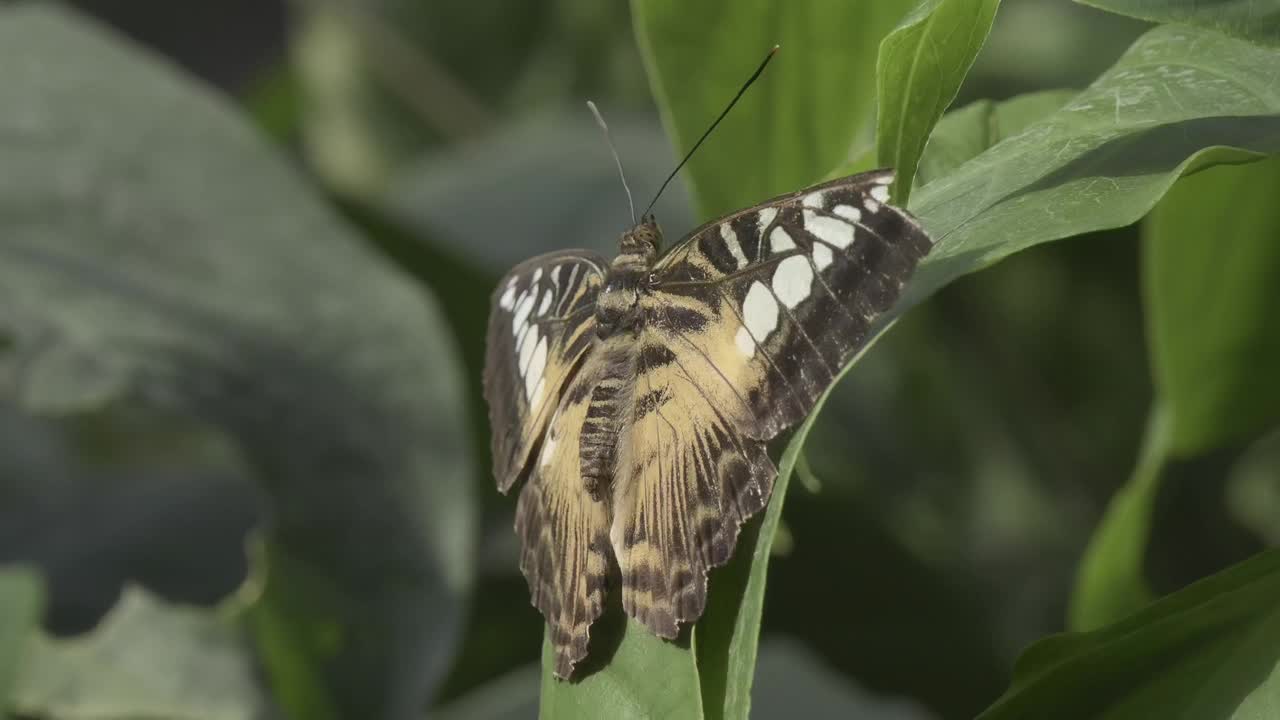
810 111
156 251
1255 20
965 132
21 598
1210 652
918 73
1178 100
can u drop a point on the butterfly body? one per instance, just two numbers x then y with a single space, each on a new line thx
635 397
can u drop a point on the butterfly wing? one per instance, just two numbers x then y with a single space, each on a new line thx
540 327
750 320
563 531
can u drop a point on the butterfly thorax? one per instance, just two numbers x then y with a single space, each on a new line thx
628 276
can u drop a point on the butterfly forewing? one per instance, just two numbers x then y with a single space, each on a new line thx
749 321
799 280
541 324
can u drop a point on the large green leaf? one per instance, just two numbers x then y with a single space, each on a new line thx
809 112
964 133
1209 652
20 602
1256 20
1211 260
155 251
145 659
1167 106
918 73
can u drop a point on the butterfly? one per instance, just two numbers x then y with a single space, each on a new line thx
634 398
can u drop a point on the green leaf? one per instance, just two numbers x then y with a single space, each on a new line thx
808 113
1255 20
145 659
21 599
1210 651
1211 259
918 73
1168 106
642 676
964 133
154 250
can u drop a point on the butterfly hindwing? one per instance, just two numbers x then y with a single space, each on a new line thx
686 481
541 324
564 531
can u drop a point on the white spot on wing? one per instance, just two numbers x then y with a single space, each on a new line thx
731 241
849 212
814 199
759 311
745 344
766 219
881 193
523 306
546 303
526 353
822 256
829 230
537 364
792 280
508 299
524 331
871 205
780 241
537 275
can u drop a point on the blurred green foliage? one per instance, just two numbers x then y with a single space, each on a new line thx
206 326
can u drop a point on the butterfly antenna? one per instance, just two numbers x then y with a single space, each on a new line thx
605 128
773 51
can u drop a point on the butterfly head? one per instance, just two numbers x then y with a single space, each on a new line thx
642 241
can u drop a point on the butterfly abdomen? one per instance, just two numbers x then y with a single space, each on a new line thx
605 413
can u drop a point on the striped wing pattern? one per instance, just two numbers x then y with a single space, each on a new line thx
541 325
751 319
